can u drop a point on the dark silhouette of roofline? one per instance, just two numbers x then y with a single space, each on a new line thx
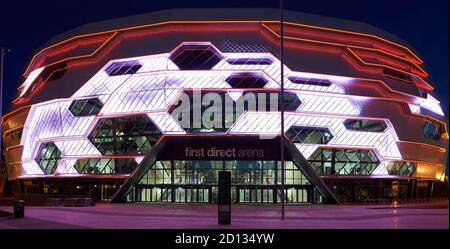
225 14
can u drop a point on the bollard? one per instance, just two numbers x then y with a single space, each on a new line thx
19 209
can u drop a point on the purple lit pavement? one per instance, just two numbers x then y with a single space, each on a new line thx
243 216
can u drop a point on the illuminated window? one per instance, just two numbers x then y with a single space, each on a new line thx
123 68
247 80
309 135
196 57
206 173
48 158
131 135
293 176
432 130
344 161
160 173
85 107
291 101
250 61
365 125
106 166
192 181
401 168
310 81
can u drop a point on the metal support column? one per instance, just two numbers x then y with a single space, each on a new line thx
282 105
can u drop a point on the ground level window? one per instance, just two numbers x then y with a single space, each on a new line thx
297 195
155 194
248 195
197 182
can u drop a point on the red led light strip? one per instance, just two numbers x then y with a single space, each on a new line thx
349 36
339 48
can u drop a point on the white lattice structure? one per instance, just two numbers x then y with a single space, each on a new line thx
158 83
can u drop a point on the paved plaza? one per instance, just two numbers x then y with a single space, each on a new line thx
127 216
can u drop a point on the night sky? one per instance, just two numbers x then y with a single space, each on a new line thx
27 25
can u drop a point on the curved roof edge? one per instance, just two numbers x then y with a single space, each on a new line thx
226 14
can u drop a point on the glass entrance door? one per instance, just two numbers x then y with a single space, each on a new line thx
196 182
298 195
256 195
192 195
154 194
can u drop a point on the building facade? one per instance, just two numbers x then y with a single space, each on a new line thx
150 108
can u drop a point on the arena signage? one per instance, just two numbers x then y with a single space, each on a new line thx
220 148
225 153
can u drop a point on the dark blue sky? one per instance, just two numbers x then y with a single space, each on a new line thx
26 25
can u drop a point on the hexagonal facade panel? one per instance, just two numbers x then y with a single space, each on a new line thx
432 130
196 56
106 166
401 168
123 68
309 135
130 135
85 107
310 81
365 125
247 80
291 101
48 158
338 161
250 61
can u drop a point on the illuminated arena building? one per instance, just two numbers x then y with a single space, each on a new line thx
94 114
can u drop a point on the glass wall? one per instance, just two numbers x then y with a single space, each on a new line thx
360 190
131 135
344 161
196 182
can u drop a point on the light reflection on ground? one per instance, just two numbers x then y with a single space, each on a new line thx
243 216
